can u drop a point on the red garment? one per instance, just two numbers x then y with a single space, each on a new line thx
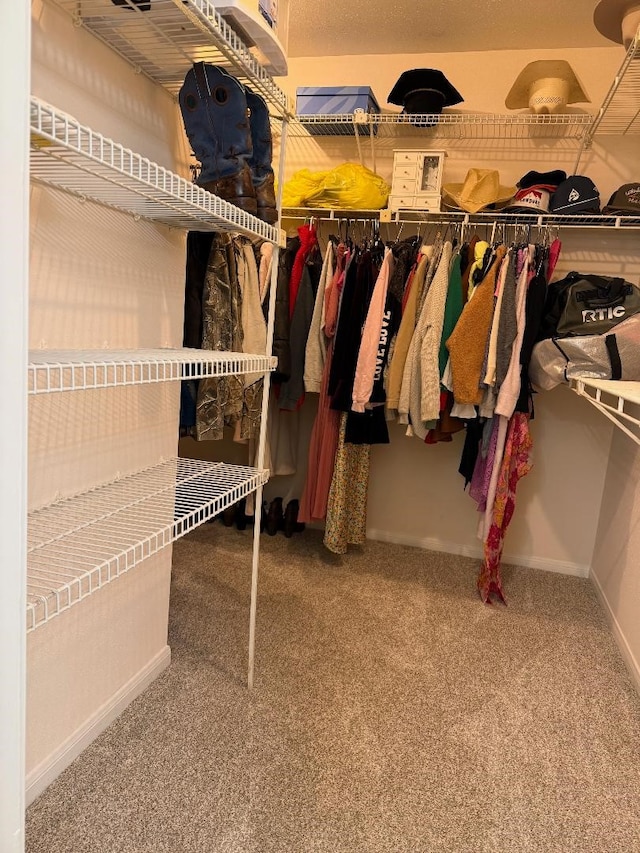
326 427
554 254
332 296
516 463
308 239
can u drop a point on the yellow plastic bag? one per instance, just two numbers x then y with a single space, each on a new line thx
350 186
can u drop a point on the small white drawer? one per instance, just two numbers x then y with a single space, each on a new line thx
400 202
410 170
404 158
400 187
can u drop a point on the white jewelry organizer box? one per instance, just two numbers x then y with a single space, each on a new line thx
417 180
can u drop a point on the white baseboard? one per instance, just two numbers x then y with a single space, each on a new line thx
475 551
625 649
44 774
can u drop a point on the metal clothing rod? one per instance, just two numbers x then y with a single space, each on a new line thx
555 223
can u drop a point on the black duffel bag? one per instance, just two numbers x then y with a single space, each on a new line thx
587 305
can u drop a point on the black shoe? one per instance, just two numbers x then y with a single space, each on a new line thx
263 518
229 515
275 517
241 517
291 524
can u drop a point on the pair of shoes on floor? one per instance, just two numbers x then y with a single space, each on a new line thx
236 514
285 520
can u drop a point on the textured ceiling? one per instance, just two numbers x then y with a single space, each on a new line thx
343 27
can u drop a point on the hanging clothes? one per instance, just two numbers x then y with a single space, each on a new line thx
430 347
467 264
377 321
510 389
452 311
469 338
505 280
220 398
264 269
485 462
316 348
254 337
324 436
410 409
405 334
281 320
307 235
291 394
516 464
362 272
347 505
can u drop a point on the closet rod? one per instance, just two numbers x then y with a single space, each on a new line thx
578 223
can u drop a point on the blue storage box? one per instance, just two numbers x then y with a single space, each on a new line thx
335 100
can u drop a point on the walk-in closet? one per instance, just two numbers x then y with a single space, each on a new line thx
269 584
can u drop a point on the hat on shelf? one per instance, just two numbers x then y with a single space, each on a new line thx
546 180
625 201
577 195
423 91
529 200
617 20
480 189
546 86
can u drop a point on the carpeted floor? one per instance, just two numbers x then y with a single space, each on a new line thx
392 712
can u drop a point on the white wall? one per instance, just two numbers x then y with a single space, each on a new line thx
616 559
99 279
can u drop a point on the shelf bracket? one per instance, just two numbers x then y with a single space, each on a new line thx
615 412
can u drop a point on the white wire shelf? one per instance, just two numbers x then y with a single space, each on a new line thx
78 370
448 125
620 110
78 545
484 218
74 158
613 399
163 38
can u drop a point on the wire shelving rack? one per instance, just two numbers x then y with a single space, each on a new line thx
620 110
448 125
78 370
77 545
74 158
163 38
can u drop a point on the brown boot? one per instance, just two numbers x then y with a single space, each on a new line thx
237 189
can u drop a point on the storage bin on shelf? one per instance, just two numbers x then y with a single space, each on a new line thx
338 101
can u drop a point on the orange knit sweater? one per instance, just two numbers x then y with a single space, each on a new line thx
468 340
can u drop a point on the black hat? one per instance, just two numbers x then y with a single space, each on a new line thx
577 195
424 90
625 201
546 180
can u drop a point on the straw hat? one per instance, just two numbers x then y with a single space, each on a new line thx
617 20
545 86
481 188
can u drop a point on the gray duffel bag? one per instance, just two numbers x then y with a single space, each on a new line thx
613 355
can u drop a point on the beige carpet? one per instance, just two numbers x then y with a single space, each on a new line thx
392 712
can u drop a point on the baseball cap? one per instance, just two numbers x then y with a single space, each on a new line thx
529 200
625 201
577 195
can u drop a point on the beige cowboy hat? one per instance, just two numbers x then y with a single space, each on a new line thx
617 20
545 86
481 188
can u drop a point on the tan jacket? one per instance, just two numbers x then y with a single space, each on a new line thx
403 338
468 341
